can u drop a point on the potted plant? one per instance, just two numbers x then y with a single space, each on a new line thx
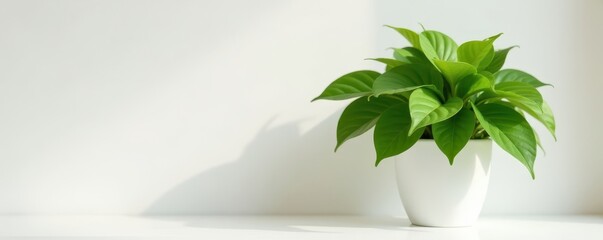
437 94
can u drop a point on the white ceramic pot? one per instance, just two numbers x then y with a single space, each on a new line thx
436 194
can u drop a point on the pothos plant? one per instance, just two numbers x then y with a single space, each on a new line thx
436 89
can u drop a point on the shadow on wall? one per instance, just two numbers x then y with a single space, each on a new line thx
283 171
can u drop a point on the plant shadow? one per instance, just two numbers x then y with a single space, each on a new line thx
286 171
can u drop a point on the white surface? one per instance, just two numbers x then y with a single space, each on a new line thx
440 195
110 107
296 227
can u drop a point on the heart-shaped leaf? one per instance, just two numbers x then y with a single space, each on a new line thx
476 53
454 71
510 131
351 85
471 84
361 115
500 56
452 134
408 77
426 109
437 45
391 133
514 75
410 35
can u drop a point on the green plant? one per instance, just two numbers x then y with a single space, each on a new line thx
438 90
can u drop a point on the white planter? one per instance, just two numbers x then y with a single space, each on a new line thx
436 194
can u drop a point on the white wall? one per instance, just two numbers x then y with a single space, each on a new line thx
203 106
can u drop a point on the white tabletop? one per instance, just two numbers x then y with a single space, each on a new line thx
294 227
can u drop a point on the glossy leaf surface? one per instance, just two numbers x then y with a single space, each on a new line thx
425 108
454 71
391 133
410 55
406 78
477 53
514 75
498 60
437 45
452 134
471 85
351 85
361 115
510 131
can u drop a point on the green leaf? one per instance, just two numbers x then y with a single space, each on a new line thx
527 98
520 89
410 35
408 77
487 95
493 38
410 55
454 71
510 131
437 45
391 133
487 60
454 133
389 63
476 53
522 95
488 75
351 85
547 118
514 75
498 60
361 115
472 84
426 109
518 92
